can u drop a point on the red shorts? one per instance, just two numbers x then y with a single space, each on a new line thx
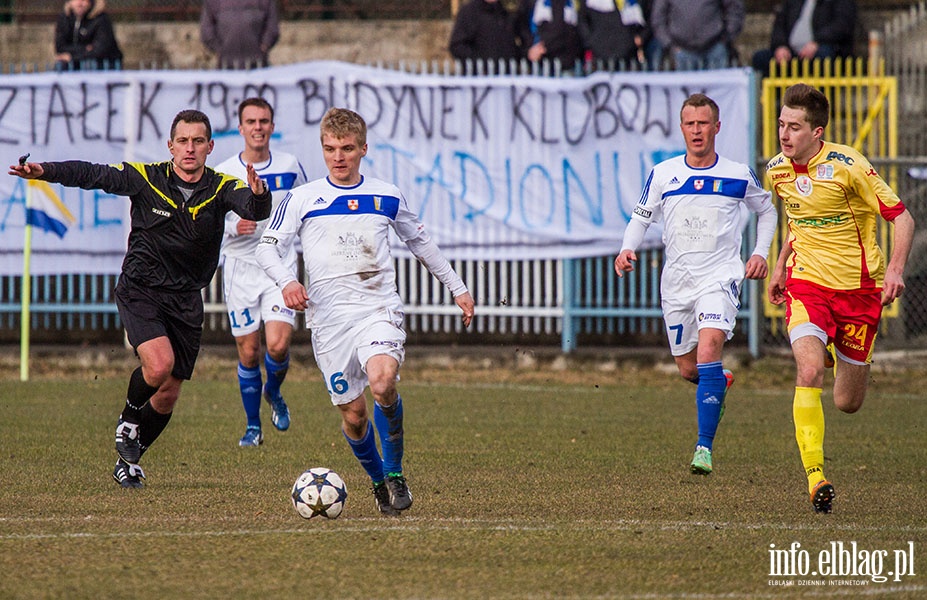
850 319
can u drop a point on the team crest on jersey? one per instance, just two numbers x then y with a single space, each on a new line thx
350 246
353 203
699 184
803 185
826 171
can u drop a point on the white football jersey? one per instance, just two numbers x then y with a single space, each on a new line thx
281 173
344 233
704 213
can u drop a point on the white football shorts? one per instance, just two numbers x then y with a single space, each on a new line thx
252 297
342 351
684 316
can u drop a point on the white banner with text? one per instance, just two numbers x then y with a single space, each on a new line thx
498 167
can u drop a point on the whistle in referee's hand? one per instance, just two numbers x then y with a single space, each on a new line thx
23 159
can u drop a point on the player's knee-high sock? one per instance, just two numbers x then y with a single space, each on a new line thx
708 398
152 424
276 373
249 381
808 415
137 396
366 452
388 420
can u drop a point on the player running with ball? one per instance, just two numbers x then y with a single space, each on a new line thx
700 197
351 304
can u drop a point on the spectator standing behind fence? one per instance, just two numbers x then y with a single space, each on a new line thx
551 26
612 30
240 32
699 34
485 30
809 29
84 37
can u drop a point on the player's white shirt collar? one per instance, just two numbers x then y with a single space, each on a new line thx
711 166
344 187
258 166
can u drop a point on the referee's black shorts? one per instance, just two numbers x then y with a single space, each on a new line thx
149 313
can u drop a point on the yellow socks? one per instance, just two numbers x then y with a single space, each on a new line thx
808 415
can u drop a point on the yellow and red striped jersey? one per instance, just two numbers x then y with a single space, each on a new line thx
833 204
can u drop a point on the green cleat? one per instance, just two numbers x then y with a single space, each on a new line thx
701 461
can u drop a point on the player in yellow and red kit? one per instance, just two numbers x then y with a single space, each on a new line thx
831 271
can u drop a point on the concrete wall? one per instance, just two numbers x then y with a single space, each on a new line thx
178 44
356 41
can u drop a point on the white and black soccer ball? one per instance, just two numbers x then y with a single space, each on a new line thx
319 492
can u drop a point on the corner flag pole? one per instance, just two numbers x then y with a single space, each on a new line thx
25 296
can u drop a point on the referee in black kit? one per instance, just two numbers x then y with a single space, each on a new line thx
178 212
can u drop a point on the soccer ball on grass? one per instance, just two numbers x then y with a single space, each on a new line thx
319 492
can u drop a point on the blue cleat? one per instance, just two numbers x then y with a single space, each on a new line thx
252 437
281 414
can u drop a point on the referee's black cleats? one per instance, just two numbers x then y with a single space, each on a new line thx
127 444
128 475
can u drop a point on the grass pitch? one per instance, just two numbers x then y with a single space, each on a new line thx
528 483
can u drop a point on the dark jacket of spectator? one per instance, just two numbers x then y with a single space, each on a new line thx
605 34
484 29
86 41
833 23
240 32
696 25
552 27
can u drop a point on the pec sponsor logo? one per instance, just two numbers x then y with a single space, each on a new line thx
841 157
161 212
643 212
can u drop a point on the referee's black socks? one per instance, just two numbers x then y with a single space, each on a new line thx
137 397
